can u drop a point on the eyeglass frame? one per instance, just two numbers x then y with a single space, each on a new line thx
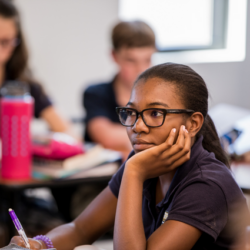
165 112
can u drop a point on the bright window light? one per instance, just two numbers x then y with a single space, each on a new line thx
177 23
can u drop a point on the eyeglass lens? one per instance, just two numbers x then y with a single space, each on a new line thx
152 117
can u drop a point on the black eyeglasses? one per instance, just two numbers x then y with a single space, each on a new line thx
153 117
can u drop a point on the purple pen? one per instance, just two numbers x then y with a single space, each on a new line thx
19 227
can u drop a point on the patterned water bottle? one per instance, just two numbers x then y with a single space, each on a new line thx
16 111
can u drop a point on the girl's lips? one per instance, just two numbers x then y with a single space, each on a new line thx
142 146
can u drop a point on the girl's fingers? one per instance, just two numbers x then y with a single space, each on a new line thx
179 145
178 156
180 139
185 154
180 161
171 137
187 140
169 142
182 128
179 151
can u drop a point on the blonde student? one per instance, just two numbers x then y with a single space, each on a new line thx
133 46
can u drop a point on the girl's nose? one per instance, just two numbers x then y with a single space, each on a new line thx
140 126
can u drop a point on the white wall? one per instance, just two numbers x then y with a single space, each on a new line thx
229 82
69 45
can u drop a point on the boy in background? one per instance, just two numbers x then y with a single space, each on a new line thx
133 46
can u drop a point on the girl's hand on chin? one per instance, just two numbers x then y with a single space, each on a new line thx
161 159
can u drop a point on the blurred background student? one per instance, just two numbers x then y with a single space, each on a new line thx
14 66
133 46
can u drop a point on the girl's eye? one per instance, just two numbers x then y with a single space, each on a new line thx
131 112
156 113
128 112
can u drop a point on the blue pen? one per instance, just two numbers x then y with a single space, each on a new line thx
19 228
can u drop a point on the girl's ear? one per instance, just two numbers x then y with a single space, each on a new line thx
194 123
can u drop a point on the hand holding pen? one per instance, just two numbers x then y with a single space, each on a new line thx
19 228
37 243
22 240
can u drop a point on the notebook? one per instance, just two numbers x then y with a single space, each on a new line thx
13 246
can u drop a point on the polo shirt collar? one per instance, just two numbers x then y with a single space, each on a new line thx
149 187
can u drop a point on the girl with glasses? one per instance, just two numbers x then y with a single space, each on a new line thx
175 191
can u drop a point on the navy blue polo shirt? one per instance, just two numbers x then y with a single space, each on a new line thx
99 101
203 194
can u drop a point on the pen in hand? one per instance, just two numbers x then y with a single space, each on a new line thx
19 228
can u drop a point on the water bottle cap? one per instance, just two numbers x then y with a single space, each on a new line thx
14 89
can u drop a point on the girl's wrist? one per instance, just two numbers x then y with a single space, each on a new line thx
44 241
43 244
131 172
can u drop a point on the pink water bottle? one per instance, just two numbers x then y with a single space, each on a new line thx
16 110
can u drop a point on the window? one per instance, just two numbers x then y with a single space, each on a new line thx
181 24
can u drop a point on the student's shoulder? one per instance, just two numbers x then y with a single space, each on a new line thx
37 91
100 88
218 174
35 87
213 169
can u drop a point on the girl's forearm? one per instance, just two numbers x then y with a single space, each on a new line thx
129 230
66 237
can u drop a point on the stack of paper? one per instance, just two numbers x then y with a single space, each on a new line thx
95 156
